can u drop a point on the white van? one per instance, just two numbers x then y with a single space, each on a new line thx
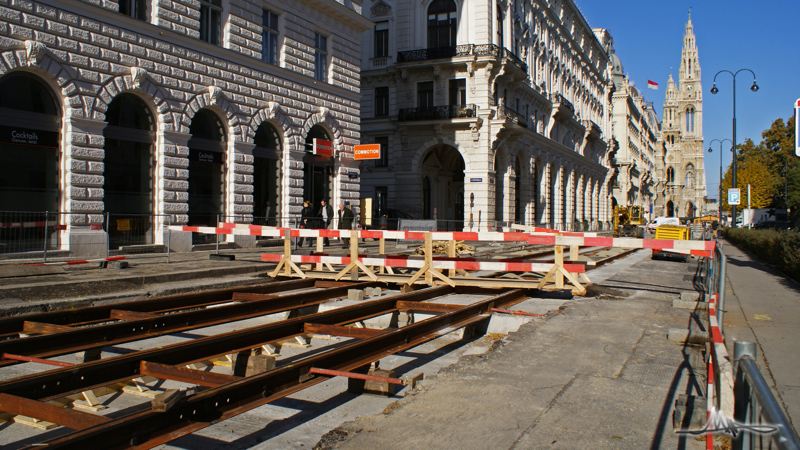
651 227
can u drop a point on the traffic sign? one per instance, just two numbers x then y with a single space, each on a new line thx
797 127
734 196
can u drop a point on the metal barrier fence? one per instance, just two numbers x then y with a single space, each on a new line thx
37 236
25 234
754 404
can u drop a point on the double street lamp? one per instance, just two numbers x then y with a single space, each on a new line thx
719 201
714 90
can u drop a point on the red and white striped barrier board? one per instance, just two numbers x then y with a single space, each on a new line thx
698 248
440 263
80 261
538 230
258 230
23 224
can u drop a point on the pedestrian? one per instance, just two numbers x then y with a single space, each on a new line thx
268 211
325 217
306 221
345 222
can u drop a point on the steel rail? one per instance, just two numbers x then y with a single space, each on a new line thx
56 383
86 338
93 314
146 429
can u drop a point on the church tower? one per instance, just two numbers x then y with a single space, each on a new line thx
682 132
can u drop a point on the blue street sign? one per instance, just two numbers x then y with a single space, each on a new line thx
734 196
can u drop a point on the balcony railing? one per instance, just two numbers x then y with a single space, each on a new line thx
443 112
383 61
516 117
427 54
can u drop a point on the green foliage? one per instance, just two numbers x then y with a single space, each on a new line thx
764 167
780 249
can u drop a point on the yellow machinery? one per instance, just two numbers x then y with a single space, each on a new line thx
629 221
675 233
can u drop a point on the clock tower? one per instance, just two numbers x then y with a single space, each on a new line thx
682 131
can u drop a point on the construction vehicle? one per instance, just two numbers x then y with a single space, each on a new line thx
675 233
629 221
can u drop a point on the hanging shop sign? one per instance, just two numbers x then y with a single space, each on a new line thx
27 136
323 147
367 151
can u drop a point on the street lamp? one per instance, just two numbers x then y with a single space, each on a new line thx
714 90
719 202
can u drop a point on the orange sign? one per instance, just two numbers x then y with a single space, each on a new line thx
367 151
323 147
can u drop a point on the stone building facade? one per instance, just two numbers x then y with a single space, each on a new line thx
636 141
177 112
486 112
682 189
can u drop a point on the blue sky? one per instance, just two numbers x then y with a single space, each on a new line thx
763 36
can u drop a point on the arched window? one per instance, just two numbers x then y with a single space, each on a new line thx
690 119
442 24
206 171
670 175
128 174
267 175
689 176
29 145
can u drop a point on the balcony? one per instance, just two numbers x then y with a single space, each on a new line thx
516 117
428 54
444 112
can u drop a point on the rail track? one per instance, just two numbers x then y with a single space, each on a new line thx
214 393
205 392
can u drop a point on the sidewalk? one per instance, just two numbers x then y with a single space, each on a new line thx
600 375
763 306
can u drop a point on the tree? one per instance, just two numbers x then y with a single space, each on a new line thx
763 186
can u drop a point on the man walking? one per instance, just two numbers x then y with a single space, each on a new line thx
345 222
326 216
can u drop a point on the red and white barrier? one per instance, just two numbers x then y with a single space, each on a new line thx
724 369
698 248
80 261
258 230
37 224
439 263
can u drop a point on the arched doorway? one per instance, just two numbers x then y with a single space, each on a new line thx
691 210
29 157
443 167
206 172
670 209
267 175
128 173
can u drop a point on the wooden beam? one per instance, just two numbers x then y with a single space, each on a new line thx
199 377
130 315
70 418
338 330
43 328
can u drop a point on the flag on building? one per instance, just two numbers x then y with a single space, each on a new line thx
652 85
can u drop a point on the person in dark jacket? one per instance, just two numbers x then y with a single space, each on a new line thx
345 222
325 217
306 221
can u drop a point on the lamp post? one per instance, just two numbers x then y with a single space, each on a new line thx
714 90
785 173
719 205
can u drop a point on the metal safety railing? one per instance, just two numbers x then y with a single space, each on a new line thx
754 404
26 234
